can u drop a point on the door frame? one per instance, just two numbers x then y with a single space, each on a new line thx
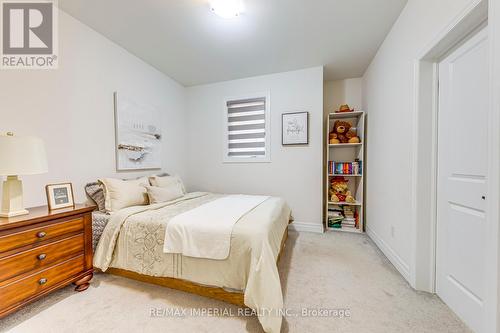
424 152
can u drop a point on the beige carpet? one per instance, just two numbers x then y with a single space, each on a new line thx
330 271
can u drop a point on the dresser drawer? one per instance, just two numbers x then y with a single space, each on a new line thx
41 256
26 236
20 290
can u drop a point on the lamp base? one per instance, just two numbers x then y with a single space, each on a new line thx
12 201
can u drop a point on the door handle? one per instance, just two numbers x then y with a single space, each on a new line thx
41 256
42 281
41 234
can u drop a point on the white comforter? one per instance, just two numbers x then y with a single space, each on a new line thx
205 232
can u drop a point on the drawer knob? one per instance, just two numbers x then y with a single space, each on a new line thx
42 281
41 234
41 256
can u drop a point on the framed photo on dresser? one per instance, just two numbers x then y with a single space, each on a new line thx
60 196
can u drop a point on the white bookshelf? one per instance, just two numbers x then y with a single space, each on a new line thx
346 153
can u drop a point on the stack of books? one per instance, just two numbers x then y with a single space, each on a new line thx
343 217
335 217
345 168
350 217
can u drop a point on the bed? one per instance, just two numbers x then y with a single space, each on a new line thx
132 241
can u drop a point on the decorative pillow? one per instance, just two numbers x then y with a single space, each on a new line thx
124 193
164 194
167 181
163 174
96 192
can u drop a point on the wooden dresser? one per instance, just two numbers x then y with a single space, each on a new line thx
44 251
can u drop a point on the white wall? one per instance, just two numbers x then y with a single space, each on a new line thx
388 98
295 173
348 91
71 108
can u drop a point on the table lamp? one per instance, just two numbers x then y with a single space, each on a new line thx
19 155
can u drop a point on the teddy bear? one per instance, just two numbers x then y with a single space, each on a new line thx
339 191
334 138
342 133
353 138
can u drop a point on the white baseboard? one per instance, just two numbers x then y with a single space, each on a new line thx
306 227
393 257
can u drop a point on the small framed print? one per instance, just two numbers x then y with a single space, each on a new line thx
295 128
60 196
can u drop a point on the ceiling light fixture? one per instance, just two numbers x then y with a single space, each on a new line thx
227 8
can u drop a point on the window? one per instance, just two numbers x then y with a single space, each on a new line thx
247 130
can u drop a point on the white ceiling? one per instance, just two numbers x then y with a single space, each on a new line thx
187 42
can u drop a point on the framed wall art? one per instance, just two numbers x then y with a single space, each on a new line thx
295 128
138 135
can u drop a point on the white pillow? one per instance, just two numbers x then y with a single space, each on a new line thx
124 193
167 181
163 194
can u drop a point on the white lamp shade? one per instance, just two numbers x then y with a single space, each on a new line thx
22 155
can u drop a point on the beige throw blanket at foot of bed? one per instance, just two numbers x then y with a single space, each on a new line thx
205 232
133 240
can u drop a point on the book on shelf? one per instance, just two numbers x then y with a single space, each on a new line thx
345 168
335 217
351 222
350 228
335 222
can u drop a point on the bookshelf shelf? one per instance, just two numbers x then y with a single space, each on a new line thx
345 229
347 158
346 115
343 203
345 145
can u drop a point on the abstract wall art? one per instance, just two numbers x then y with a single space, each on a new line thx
138 135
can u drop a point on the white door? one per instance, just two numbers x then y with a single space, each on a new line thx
462 179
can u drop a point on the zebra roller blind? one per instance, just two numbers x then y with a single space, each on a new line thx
246 129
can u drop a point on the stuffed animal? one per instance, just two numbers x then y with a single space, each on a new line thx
342 133
339 191
345 108
352 136
334 138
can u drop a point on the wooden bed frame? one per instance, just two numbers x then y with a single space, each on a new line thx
236 298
